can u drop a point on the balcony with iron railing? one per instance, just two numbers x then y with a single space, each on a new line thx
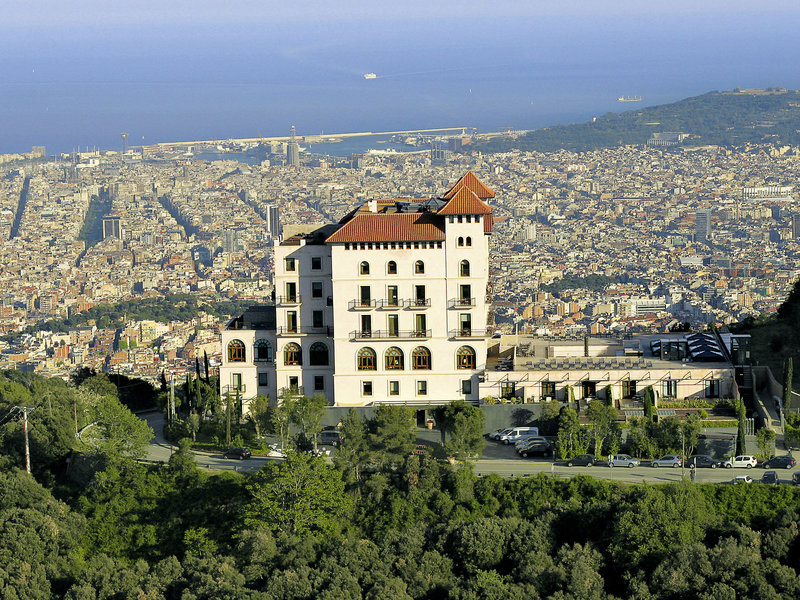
328 331
289 300
461 302
232 389
382 334
390 304
361 304
418 303
468 332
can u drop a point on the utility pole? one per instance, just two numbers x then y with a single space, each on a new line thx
171 397
25 410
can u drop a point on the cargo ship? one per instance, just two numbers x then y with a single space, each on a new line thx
626 98
370 76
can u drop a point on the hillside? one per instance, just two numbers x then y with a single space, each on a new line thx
775 339
715 118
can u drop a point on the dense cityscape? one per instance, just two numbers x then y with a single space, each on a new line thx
625 240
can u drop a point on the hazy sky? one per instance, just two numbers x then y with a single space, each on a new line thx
77 72
185 13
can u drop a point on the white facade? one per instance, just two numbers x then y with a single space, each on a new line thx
387 306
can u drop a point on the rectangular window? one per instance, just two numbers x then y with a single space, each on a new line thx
466 386
294 384
422 388
465 321
712 388
316 263
508 389
465 294
419 295
316 318
366 388
420 325
394 388
316 289
263 379
236 382
391 295
669 388
366 325
548 390
291 321
628 388
394 325
290 264
365 296
319 382
291 291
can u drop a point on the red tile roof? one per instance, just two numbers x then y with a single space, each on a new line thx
472 183
465 202
392 227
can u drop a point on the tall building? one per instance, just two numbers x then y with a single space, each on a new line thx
388 305
230 240
796 227
273 220
293 150
703 224
112 227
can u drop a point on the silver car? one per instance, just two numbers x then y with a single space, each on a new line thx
622 460
669 460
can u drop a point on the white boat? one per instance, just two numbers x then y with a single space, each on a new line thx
629 99
370 76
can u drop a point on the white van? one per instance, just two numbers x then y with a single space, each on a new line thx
517 433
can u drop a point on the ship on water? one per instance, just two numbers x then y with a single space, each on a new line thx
370 76
629 99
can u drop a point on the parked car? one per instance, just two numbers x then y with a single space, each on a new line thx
537 449
582 460
779 462
527 441
741 461
330 437
703 460
742 479
796 478
622 460
668 460
517 433
240 453
770 477
495 435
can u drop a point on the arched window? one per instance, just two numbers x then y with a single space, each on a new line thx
460 241
465 358
236 351
318 355
363 268
464 268
263 350
469 241
366 360
419 267
394 359
391 268
292 355
421 358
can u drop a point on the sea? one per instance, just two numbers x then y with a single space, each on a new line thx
78 90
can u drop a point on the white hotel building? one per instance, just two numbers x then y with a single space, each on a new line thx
388 305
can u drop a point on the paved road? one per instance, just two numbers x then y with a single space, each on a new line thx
496 458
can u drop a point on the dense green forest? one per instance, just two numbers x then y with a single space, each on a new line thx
717 118
175 307
381 522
